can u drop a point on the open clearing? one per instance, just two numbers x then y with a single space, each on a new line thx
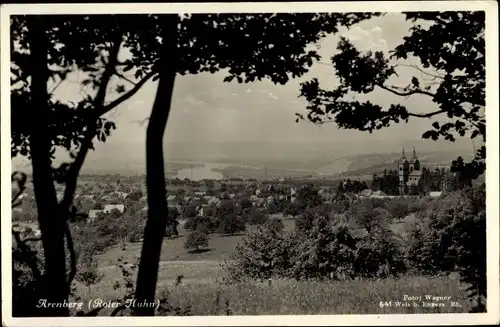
202 273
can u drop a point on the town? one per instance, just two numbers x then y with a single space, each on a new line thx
101 194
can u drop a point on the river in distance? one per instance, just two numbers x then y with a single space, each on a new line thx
204 172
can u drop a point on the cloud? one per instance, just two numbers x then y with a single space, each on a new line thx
193 101
367 38
272 96
376 30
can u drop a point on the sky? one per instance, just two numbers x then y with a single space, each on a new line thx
205 109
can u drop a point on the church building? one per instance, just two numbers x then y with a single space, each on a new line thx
409 172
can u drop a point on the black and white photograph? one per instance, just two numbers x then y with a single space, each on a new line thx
242 163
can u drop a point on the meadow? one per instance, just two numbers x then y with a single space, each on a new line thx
201 291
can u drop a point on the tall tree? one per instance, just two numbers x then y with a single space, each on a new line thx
452 75
45 48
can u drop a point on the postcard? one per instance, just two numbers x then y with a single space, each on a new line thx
246 164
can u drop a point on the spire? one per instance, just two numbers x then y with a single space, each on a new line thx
403 155
414 157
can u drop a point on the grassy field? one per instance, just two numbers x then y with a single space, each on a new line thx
173 249
201 291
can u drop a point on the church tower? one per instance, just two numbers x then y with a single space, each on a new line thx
403 172
414 163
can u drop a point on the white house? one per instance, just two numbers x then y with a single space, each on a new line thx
110 207
435 194
93 215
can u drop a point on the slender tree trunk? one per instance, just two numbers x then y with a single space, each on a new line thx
55 288
156 223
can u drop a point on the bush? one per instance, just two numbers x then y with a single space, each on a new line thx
231 224
255 217
340 206
27 260
172 228
327 250
451 236
197 238
330 248
190 211
420 204
398 208
292 209
263 254
272 209
305 221
275 224
88 271
369 214
379 254
211 223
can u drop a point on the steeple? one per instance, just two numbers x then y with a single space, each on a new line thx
403 155
414 156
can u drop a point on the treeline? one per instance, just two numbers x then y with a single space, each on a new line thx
349 186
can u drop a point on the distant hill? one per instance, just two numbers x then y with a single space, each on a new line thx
369 164
294 158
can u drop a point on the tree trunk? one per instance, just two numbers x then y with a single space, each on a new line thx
54 288
156 223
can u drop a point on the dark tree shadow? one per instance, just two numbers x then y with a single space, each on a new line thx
235 234
199 251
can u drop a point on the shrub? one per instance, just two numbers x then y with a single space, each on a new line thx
305 221
451 236
292 209
327 250
379 254
255 217
231 224
190 211
263 254
275 224
272 208
197 238
190 223
340 206
398 208
369 214
420 204
27 262
87 271
330 248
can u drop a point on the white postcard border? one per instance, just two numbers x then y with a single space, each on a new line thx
492 175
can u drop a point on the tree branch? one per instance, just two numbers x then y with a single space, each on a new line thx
56 86
125 78
105 109
90 131
422 71
418 91
428 115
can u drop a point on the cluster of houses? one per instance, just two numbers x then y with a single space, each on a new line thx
202 200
